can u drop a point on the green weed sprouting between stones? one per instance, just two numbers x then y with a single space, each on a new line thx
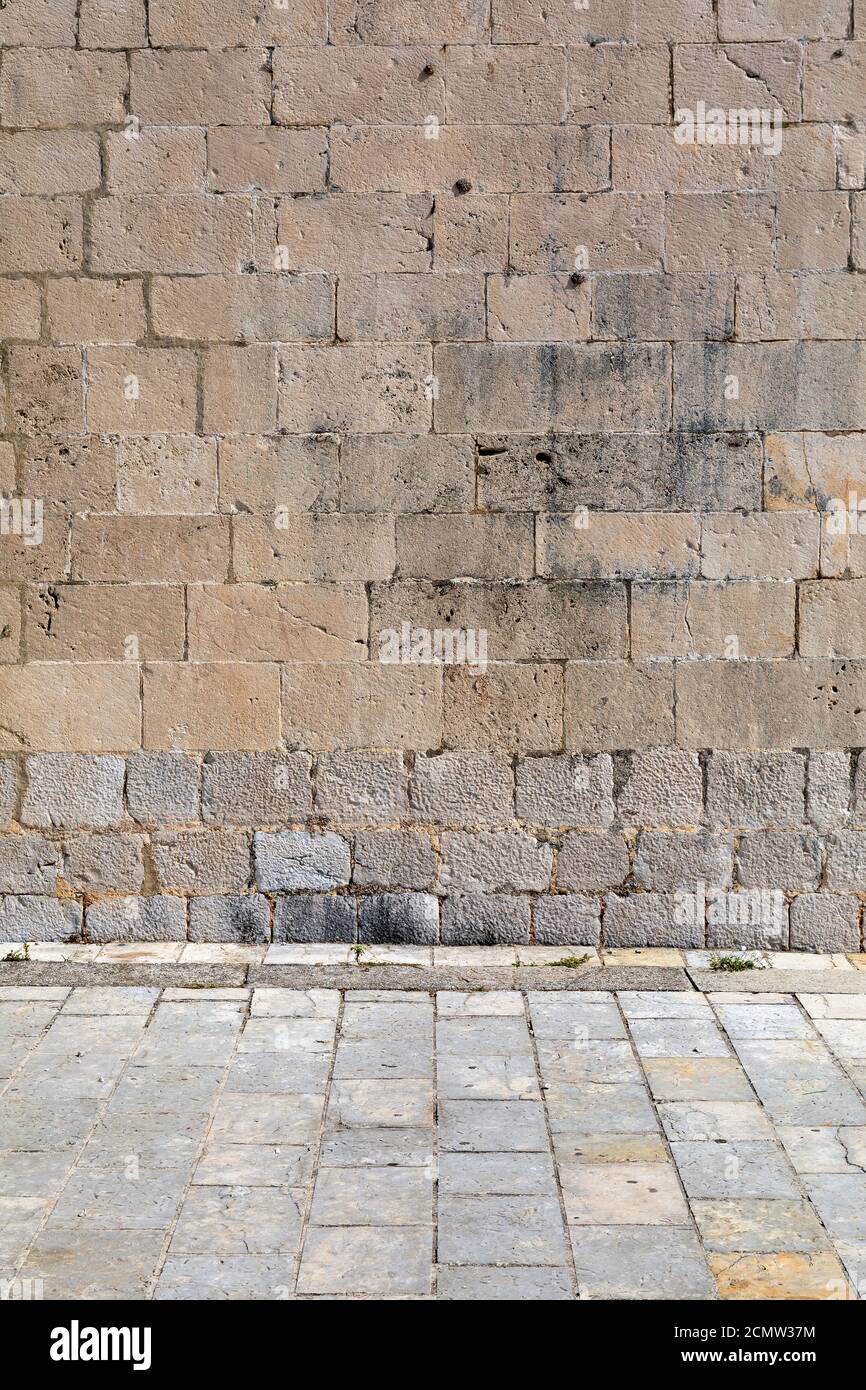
731 963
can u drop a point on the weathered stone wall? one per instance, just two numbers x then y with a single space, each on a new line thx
345 337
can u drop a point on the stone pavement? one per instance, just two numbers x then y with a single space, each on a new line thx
284 1143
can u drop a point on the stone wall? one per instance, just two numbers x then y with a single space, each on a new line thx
431 471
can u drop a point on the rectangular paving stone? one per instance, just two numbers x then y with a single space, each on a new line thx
509 1283
610 1060
798 1082
824 1148
501 1231
267 1119
492 1174
600 1108
763 1021
492 1126
114 1200
353 1260
699 1078
714 1119
484 1003
254 1165
625 1262
84 1264
677 1038
757 1224
377 1148
238 1221
381 1104
629 1194
369 1196
191 1278
786 1275
488 1078
735 1168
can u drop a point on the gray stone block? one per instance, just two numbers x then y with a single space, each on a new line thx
666 860
404 918
828 794
202 861
256 788
245 919
73 790
751 790
297 859
136 919
485 919
779 859
592 862
314 917
825 922
162 788
846 861
751 919
104 861
562 791
8 790
394 859
462 789
649 919
662 786
494 861
29 864
567 919
31 917
361 788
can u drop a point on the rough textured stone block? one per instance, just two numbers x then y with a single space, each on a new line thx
565 791
292 859
245 920
31 917
751 790
29 864
201 861
828 793
462 789
663 786
825 922
73 791
779 859
393 859
162 788
507 706
255 788
136 919
482 919
648 917
667 861
322 917
592 862
566 919
846 861
8 789
409 918
104 862
361 788
494 861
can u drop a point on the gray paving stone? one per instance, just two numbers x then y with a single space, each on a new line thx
20 1219
825 1148
387 1020
277 1073
452 1004
377 1148
254 1165
112 1000
31 1124
840 1199
387 1260
25 1174
230 1277
600 1109
575 1017
764 1021
488 1078
135 1199
492 1126
266 1119
369 1059
501 1231
373 1197
662 1037
84 1264
291 1035
714 1119
381 1103
626 1262
846 1037
493 1174
754 1224
159 1138
482 1037
486 1284
735 1168
798 1083
626 1194
238 1221
659 1004
574 1062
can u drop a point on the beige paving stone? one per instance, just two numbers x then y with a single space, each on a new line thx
786 1275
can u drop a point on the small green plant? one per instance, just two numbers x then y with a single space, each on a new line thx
567 962
21 952
731 963
358 951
